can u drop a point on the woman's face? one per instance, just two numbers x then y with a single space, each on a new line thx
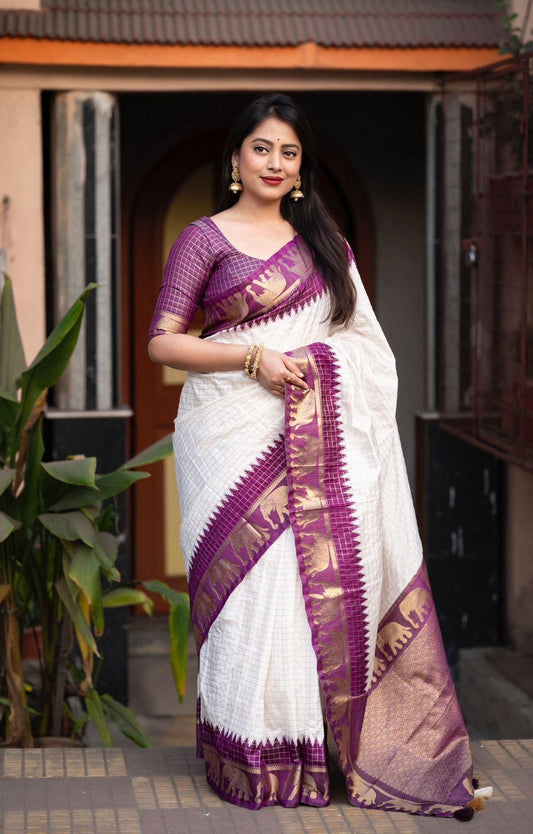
269 160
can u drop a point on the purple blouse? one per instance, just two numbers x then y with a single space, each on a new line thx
202 263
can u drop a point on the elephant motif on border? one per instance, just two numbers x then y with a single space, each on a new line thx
238 783
379 667
309 786
268 788
363 793
276 502
394 636
418 603
212 761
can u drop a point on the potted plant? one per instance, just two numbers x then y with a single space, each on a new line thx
58 549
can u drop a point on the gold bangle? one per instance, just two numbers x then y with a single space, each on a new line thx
249 355
257 361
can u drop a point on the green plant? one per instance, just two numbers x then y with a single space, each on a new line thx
58 550
515 43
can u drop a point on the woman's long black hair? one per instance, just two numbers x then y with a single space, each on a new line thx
309 216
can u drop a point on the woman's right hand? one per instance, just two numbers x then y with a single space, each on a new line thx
276 370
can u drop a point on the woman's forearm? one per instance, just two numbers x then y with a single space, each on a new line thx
188 353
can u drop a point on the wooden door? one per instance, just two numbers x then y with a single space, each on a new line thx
178 189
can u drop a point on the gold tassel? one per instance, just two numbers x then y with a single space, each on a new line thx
477 804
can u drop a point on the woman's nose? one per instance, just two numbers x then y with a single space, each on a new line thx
274 162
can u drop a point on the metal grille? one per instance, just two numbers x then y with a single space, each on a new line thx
495 278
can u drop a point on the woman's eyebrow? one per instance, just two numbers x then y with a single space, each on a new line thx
268 142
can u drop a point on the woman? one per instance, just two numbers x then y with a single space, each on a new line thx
304 562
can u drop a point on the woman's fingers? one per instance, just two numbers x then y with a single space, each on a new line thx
294 378
292 367
277 370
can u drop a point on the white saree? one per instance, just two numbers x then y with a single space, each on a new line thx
305 565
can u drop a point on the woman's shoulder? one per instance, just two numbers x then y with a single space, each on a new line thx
193 239
191 252
196 230
203 224
204 231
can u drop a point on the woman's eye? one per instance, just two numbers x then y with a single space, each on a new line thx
260 148
291 154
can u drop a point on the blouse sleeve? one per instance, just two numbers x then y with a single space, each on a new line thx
186 274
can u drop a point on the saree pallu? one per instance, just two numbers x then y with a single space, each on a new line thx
305 565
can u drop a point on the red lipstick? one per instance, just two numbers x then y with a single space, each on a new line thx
272 180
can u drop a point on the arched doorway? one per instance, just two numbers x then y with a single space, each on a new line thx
177 187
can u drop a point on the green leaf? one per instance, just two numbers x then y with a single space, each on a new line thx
32 474
72 526
84 571
97 716
12 361
157 451
168 593
179 622
7 525
119 597
78 723
92 511
107 487
108 544
107 520
80 472
6 478
9 408
52 359
106 551
77 617
126 721
68 555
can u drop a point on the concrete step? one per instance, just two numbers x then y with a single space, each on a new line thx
497 705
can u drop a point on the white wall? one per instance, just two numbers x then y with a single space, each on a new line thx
21 187
34 5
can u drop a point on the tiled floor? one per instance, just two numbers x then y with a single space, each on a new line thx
163 791
126 790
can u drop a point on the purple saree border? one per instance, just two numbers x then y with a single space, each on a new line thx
326 532
243 494
253 775
413 608
387 791
283 284
386 798
342 514
301 298
406 621
321 506
295 242
223 555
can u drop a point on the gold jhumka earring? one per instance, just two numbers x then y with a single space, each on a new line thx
236 185
296 194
